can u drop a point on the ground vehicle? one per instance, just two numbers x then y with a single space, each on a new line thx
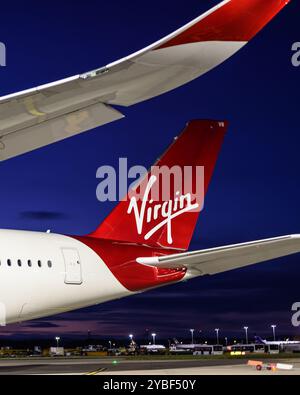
255 348
273 348
206 349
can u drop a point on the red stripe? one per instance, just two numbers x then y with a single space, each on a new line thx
238 20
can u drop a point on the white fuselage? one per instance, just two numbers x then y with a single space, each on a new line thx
43 274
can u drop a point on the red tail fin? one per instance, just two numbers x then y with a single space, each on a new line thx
164 207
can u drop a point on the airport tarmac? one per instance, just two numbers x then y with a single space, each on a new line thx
121 366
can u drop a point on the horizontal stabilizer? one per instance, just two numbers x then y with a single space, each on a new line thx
223 259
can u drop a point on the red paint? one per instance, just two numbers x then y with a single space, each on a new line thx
120 258
238 20
198 145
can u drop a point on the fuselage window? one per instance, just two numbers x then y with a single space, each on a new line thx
8 262
19 262
29 263
49 264
39 263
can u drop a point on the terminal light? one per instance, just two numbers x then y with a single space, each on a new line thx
57 338
153 337
192 333
246 332
217 333
274 333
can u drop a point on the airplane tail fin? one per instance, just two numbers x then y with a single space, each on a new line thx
163 207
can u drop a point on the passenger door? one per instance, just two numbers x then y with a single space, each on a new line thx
72 266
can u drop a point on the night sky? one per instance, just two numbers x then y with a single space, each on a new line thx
255 191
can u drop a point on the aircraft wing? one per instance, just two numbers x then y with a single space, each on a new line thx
45 114
222 259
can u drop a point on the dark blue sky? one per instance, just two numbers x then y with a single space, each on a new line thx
255 191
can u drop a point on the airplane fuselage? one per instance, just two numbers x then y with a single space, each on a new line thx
42 274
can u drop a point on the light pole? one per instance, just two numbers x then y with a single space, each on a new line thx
130 337
217 333
226 341
246 332
274 334
153 337
57 341
192 333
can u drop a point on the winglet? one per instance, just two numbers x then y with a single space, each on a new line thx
231 20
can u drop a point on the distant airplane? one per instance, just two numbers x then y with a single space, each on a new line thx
153 348
49 113
259 340
181 348
139 246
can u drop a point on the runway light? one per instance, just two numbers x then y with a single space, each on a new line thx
114 362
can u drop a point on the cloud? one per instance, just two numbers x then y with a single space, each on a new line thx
39 324
43 215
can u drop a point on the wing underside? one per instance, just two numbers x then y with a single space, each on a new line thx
52 112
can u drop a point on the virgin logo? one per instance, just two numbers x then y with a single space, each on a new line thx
149 213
